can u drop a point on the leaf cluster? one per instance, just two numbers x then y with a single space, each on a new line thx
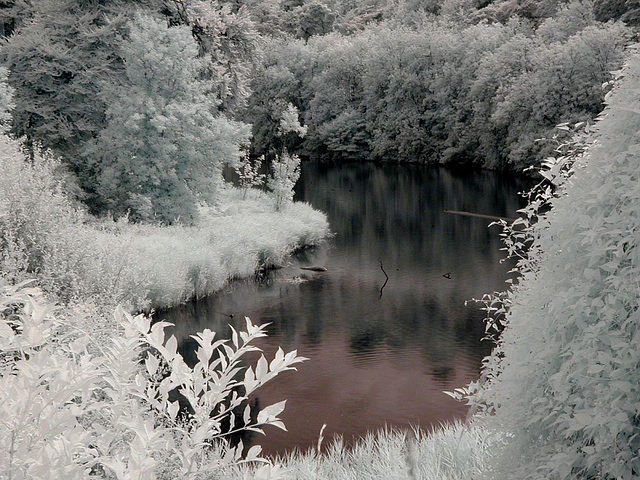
563 380
72 408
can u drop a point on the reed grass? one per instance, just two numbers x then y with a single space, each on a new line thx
454 451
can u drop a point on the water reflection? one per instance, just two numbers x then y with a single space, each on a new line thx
375 359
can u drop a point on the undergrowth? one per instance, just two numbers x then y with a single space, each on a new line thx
76 407
78 258
563 382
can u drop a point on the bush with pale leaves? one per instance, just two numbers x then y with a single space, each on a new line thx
564 380
72 407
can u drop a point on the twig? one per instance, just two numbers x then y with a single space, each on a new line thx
385 282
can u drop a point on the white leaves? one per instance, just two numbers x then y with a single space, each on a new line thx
265 371
289 122
285 171
250 383
63 409
172 410
253 331
458 393
269 415
152 363
246 416
279 359
262 368
254 453
6 332
206 345
564 376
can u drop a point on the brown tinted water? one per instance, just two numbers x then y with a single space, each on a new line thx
377 356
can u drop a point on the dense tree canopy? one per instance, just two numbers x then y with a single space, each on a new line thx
163 147
455 88
80 91
57 55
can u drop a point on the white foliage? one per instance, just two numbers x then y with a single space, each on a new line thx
289 121
564 380
6 100
71 408
249 173
285 171
163 149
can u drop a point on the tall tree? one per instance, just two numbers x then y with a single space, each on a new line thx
314 18
227 35
58 53
164 145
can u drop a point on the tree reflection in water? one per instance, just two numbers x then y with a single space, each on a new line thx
375 360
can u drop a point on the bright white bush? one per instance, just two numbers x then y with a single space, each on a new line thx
285 171
290 122
564 380
249 174
71 407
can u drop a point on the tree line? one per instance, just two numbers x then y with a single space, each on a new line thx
456 87
147 101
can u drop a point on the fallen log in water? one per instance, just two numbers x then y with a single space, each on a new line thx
479 215
314 269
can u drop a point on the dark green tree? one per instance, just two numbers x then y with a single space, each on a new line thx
58 54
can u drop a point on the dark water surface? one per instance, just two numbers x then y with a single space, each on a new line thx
375 358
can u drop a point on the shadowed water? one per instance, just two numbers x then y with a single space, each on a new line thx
377 356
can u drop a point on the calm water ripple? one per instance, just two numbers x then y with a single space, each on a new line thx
376 358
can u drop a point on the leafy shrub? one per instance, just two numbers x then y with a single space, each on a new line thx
564 380
32 208
249 174
285 171
72 408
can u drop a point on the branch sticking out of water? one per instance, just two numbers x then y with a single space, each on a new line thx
385 282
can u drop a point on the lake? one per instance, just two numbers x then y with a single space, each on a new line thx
381 352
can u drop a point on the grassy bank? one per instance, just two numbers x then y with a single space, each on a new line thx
84 386
453 452
78 258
